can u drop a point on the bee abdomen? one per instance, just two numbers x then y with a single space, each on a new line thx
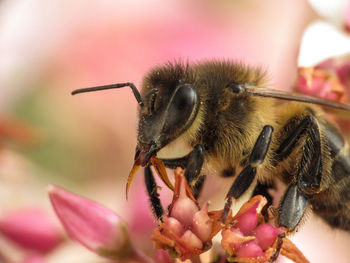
333 203
335 214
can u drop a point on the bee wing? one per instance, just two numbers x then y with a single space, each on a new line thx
285 95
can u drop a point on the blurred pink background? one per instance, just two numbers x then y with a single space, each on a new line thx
86 143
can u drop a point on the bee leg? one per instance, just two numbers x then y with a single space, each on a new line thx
194 165
247 175
308 178
274 256
197 188
153 193
176 162
292 207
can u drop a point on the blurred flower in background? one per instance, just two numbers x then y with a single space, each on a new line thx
86 143
324 58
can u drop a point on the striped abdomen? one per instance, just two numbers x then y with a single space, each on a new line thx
333 202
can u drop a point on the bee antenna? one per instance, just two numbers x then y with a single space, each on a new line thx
113 86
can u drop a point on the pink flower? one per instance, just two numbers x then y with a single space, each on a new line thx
247 238
343 72
94 226
187 229
321 82
32 229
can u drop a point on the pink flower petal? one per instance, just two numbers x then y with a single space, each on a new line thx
322 81
34 258
91 224
343 72
141 221
32 229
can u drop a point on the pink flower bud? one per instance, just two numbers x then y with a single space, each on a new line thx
202 225
192 240
91 224
184 208
250 250
174 225
248 220
32 229
232 240
265 235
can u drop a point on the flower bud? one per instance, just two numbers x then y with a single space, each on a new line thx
186 231
232 240
31 228
265 235
91 224
192 240
174 225
184 208
202 225
248 220
250 250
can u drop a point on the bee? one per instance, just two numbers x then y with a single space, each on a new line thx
221 114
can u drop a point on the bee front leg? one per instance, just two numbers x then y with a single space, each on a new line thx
247 175
308 177
151 186
192 163
193 168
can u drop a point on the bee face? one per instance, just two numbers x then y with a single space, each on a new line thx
166 115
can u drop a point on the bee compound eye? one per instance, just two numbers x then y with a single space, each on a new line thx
182 105
185 98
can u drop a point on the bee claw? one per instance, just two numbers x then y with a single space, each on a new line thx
160 169
226 210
